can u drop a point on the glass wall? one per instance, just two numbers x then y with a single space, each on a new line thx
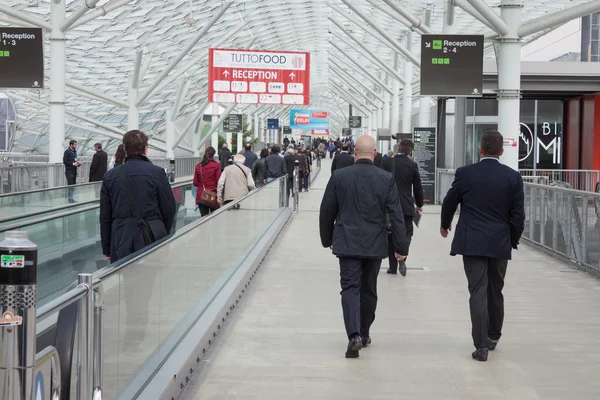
540 137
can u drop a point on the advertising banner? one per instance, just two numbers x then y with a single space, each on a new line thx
258 77
322 133
309 119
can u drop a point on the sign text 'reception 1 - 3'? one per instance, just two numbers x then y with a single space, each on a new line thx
21 58
237 76
452 65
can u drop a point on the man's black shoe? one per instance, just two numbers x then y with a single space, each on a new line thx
366 341
392 272
402 268
480 354
354 345
71 201
492 344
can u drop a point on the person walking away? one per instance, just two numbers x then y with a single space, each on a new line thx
235 182
224 156
71 165
309 162
352 221
410 191
331 149
491 222
290 162
275 165
259 169
343 159
250 156
206 177
99 164
118 158
129 224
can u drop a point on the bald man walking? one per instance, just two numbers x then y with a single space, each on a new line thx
352 221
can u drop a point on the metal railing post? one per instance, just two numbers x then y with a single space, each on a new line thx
18 284
85 327
98 342
584 227
295 183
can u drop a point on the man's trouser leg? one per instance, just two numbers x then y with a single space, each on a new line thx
368 294
496 274
350 281
408 223
476 269
71 180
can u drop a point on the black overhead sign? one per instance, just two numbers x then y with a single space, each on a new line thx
21 58
233 123
287 130
346 132
451 65
355 122
424 155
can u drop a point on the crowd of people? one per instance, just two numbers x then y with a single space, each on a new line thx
367 215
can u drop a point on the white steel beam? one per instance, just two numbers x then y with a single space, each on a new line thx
80 12
189 46
449 12
137 65
346 90
27 17
100 12
97 95
463 4
199 114
558 18
346 75
417 24
366 49
490 15
181 92
349 98
397 46
363 69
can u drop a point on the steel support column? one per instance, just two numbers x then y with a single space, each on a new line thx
395 112
170 134
425 101
407 94
509 79
58 60
214 139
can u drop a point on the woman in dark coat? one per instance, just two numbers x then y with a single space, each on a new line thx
206 177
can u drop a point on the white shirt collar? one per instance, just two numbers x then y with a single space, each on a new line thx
489 158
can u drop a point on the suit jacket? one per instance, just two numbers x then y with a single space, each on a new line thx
492 214
353 213
408 182
69 158
341 160
377 160
224 156
99 166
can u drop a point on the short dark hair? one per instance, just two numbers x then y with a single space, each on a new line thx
248 146
264 153
345 147
98 145
492 143
275 150
135 142
72 142
406 146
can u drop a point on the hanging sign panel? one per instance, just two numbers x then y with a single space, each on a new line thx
309 119
451 65
21 58
237 76
232 123
273 123
424 154
355 122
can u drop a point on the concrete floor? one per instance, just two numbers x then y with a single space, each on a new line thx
287 340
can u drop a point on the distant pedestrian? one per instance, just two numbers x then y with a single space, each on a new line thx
99 164
71 165
250 156
235 182
118 158
224 156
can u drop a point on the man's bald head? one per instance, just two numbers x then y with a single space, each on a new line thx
365 148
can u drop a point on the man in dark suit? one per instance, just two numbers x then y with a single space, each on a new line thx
224 156
492 219
352 221
99 164
291 156
408 182
377 160
71 165
251 157
343 159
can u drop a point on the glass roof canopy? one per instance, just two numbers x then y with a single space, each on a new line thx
101 54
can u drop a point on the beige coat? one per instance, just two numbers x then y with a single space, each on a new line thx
234 182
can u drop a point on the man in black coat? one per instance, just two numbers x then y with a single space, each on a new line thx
492 219
71 165
377 160
343 159
291 156
352 221
224 156
99 164
250 156
408 182
120 230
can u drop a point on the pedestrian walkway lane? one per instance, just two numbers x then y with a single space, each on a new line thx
287 340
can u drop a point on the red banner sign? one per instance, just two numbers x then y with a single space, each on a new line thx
258 77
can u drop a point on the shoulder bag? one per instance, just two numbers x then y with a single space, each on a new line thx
152 230
244 172
208 197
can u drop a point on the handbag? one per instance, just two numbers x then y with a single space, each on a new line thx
208 198
152 230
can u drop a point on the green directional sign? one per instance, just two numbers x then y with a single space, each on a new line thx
233 123
452 65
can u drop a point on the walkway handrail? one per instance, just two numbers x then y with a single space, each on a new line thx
24 224
47 210
26 192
